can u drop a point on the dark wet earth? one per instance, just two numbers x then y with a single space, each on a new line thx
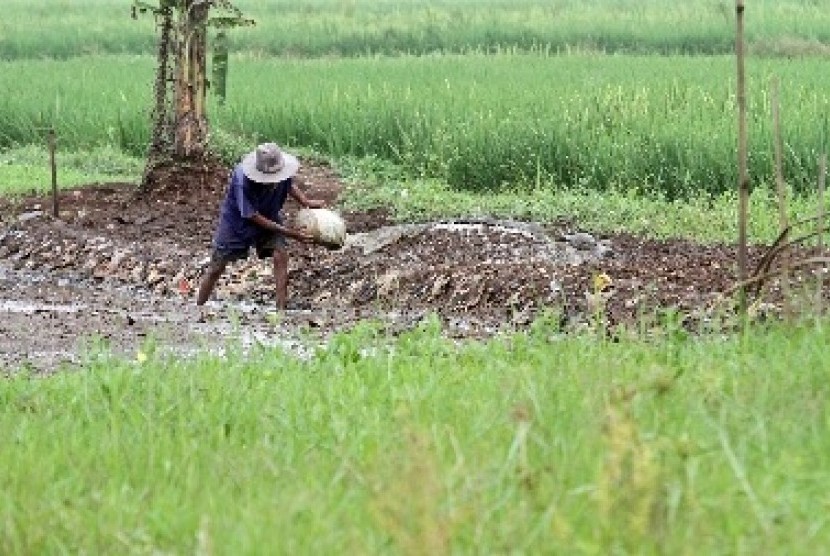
117 273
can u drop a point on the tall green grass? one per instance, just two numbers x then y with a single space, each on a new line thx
372 183
526 444
659 125
58 28
27 169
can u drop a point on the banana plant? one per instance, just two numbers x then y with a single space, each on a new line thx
180 125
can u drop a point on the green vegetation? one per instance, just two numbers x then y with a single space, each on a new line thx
374 183
528 444
360 27
26 169
662 126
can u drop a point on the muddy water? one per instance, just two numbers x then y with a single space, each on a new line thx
47 323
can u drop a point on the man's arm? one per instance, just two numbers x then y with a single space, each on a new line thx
297 194
272 226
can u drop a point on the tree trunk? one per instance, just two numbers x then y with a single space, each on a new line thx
160 136
191 84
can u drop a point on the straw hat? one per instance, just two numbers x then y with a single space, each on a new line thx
269 164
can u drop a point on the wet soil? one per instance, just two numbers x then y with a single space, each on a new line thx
119 272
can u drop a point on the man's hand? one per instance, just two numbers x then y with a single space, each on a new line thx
293 233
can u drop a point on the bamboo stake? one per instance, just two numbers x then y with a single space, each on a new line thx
743 176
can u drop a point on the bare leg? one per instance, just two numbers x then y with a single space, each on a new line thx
281 276
214 271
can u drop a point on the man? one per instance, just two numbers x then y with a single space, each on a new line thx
250 217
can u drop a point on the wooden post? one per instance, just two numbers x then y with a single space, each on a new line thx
54 168
743 175
822 176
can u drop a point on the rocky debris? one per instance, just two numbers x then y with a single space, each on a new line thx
583 242
452 267
375 240
26 216
460 267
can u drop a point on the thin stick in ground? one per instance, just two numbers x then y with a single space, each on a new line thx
743 176
780 187
822 176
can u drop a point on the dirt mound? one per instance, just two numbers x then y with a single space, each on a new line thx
480 276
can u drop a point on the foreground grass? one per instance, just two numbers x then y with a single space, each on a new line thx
525 444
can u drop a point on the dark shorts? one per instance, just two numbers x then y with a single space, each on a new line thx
265 246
